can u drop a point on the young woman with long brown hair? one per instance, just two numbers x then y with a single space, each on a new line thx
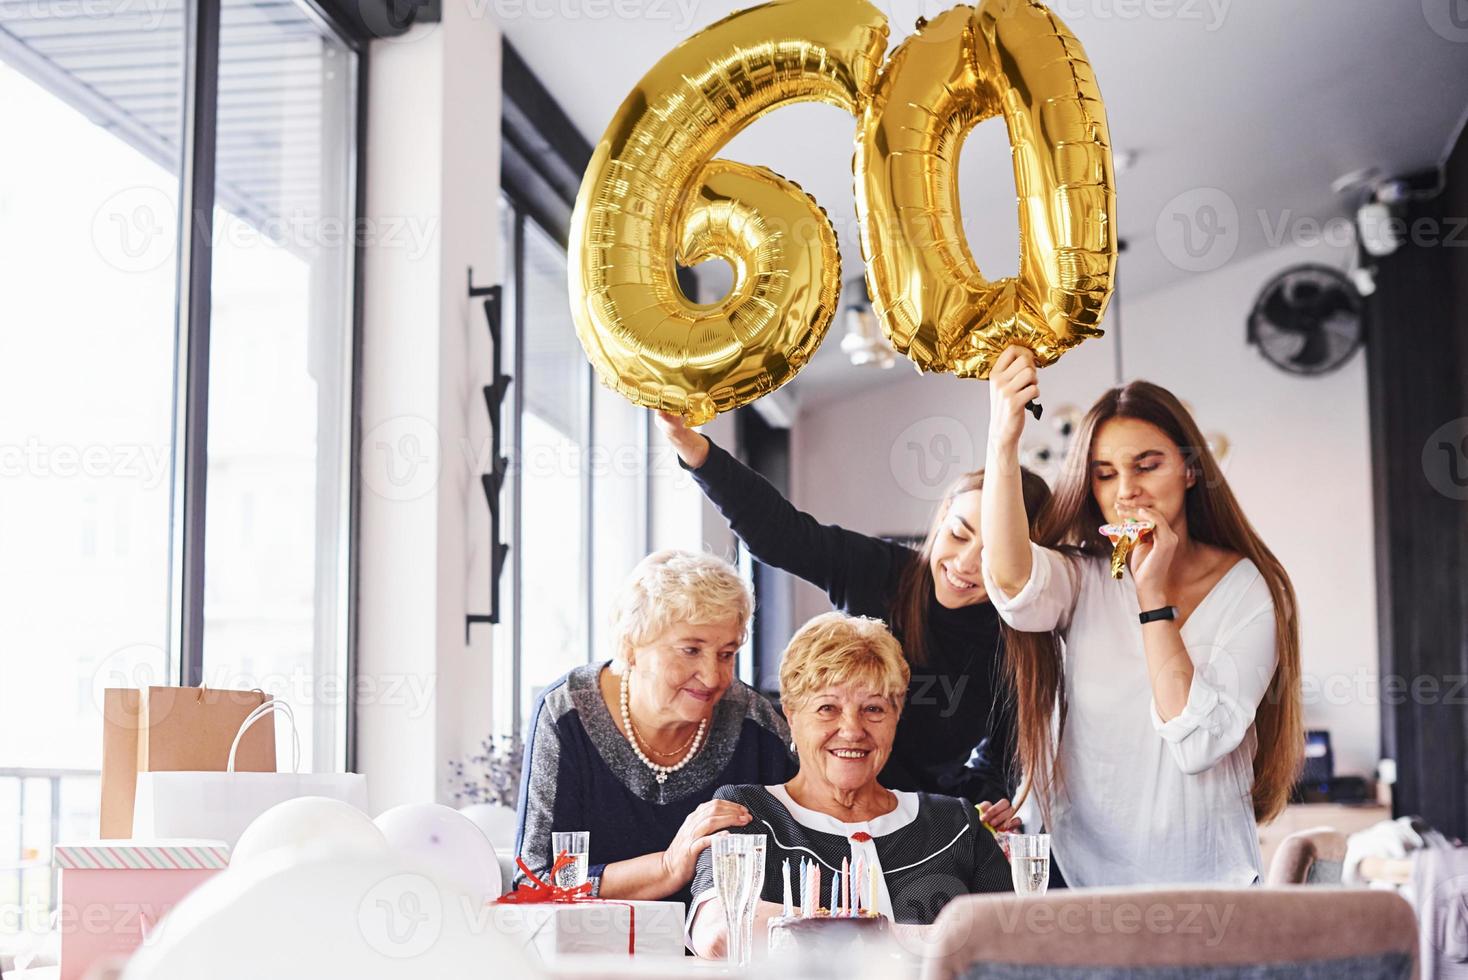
1176 702
933 599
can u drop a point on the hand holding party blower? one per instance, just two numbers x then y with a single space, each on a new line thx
1124 537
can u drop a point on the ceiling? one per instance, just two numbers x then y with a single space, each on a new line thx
1254 105
280 75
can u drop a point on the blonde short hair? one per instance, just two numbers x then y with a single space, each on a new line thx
836 649
670 587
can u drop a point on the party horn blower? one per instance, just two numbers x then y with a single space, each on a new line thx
1124 538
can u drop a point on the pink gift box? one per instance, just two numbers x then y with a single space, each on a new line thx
113 892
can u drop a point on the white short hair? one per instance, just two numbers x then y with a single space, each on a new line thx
670 587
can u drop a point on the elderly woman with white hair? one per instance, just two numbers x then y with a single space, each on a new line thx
633 749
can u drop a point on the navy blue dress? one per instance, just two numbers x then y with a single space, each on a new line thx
581 774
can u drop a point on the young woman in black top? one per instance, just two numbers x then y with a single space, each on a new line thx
933 598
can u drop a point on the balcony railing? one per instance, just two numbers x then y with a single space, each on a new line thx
28 879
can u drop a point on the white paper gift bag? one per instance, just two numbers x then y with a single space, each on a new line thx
220 805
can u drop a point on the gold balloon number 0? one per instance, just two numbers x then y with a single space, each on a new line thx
654 197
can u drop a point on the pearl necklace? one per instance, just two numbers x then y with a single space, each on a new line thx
661 773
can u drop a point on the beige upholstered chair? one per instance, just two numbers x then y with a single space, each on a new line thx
1309 857
1259 933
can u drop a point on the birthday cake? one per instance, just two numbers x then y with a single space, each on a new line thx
822 928
852 915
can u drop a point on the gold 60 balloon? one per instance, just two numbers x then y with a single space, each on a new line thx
654 196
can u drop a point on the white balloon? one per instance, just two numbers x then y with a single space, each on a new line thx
369 917
497 822
308 825
444 840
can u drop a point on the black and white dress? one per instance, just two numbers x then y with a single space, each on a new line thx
927 851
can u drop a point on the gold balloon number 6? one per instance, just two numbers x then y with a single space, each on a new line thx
654 197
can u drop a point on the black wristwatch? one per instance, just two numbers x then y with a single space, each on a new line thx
1166 612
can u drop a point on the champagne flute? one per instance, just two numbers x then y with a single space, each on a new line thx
1029 863
734 866
756 889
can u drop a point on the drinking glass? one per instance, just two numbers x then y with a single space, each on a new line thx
739 872
1029 863
577 845
757 887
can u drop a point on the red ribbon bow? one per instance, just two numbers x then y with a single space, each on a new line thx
540 892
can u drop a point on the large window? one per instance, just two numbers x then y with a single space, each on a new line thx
101 142
88 242
578 487
279 369
555 526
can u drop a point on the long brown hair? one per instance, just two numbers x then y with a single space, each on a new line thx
1069 522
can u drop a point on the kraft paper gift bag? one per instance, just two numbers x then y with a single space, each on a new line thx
160 728
220 805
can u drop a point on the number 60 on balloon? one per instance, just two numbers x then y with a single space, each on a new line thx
655 196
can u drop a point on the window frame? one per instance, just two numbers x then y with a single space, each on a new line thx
543 158
192 326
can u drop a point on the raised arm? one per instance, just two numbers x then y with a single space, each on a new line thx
774 530
1006 532
1033 588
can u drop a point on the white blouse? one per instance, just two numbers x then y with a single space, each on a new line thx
1143 801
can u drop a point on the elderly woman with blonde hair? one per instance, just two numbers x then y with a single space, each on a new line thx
633 749
842 683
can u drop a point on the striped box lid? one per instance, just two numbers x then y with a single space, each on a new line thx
127 855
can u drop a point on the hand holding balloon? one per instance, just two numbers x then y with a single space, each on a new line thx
1014 382
692 447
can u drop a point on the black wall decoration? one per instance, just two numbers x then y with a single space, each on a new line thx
494 480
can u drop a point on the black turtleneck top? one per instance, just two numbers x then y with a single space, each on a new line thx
956 734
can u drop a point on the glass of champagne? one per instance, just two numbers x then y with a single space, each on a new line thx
577 845
756 888
738 864
1029 863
